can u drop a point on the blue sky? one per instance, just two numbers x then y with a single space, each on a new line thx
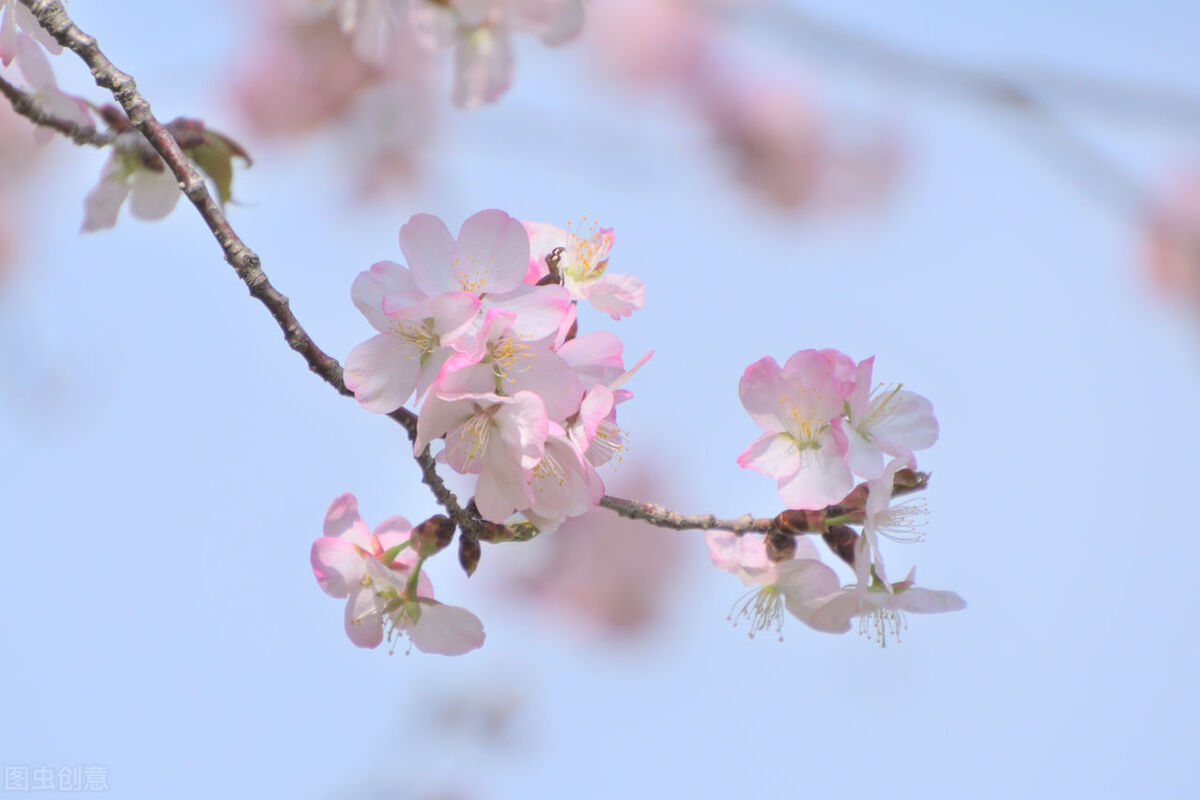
169 460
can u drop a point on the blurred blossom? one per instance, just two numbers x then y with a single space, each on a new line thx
613 574
304 76
651 40
19 157
783 148
1172 248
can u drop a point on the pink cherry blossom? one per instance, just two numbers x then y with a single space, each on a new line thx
583 263
881 612
416 336
375 573
563 484
800 407
882 420
489 256
1172 245
605 571
500 439
795 584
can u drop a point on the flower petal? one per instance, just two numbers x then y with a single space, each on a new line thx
382 372
337 565
445 630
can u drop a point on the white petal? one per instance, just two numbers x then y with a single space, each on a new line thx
152 195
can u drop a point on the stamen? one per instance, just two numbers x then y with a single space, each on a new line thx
882 621
762 608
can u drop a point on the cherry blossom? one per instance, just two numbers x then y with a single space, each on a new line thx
881 612
18 21
426 313
900 523
800 407
379 575
368 23
884 420
500 439
36 70
798 584
583 262
152 192
478 32
414 340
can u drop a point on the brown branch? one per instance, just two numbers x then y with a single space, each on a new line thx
245 262
27 105
53 17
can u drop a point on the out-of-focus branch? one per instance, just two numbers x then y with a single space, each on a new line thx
27 105
1087 164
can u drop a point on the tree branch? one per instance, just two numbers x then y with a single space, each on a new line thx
665 518
27 105
246 264
1088 164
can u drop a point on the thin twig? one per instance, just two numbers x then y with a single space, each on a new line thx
27 105
53 17
893 63
665 518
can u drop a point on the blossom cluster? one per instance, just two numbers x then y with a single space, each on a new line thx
481 329
824 422
477 30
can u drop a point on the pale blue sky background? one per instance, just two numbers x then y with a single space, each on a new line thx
168 460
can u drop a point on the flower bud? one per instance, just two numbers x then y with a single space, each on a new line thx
780 546
841 540
468 554
432 535
798 520
909 480
493 532
853 503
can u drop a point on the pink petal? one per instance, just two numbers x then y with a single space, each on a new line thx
772 454
832 614
384 279
382 372
8 36
929 601
363 624
337 565
342 516
491 254
822 479
616 295
427 245
446 630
